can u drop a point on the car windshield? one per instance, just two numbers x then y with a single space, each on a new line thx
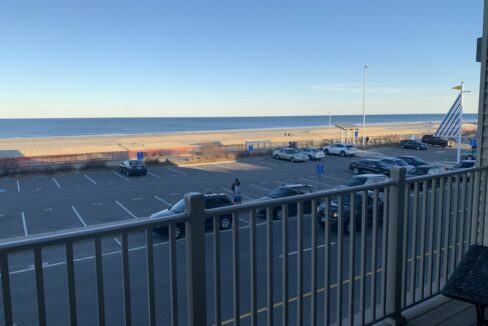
136 163
356 181
179 207
279 192
314 150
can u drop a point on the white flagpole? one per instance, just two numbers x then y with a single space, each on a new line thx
460 126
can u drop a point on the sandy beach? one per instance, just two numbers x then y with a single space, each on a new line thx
112 143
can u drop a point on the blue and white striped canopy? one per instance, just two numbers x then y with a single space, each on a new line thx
451 124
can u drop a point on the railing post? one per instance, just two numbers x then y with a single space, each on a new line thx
395 223
195 259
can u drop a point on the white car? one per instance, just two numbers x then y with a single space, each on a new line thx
313 153
291 154
340 149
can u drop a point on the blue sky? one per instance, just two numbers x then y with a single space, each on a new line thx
235 58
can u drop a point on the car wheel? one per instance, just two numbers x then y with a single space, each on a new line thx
418 148
355 171
469 157
343 154
178 231
402 146
310 157
326 151
292 159
278 215
128 173
277 157
225 223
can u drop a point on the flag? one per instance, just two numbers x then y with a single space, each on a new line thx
458 87
451 124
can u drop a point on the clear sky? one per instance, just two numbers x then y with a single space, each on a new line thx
235 58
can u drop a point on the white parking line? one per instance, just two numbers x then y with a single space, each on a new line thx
79 216
91 180
24 224
163 201
243 196
18 186
177 171
125 209
56 182
118 174
305 250
316 182
154 175
281 183
259 187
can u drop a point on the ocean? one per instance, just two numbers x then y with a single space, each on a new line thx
28 128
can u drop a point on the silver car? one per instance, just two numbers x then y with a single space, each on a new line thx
313 153
291 154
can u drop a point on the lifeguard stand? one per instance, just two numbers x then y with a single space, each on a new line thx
349 133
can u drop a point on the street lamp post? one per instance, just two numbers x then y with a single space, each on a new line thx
364 105
330 117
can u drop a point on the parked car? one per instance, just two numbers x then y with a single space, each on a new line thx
287 191
133 167
464 164
424 170
313 153
364 179
291 154
432 140
469 155
413 160
340 149
369 166
333 211
413 144
212 200
393 161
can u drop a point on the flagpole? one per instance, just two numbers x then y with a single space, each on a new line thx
460 126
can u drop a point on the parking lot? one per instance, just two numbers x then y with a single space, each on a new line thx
37 204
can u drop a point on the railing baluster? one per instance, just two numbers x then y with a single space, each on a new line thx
430 266
462 219
300 263
150 276
482 216
374 258
362 289
70 271
440 219
352 254
340 258
313 284
99 273
415 210
455 221
327 262
425 193
284 266
7 299
126 279
447 228
405 243
173 275
217 284
269 264
235 269
41 303
252 245
384 251
473 177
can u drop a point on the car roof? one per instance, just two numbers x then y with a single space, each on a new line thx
369 175
295 185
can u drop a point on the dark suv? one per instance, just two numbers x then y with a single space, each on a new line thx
369 166
212 200
287 191
133 167
432 140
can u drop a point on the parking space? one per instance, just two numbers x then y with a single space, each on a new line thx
48 218
11 224
70 181
9 186
32 185
100 211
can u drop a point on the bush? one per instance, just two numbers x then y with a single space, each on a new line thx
93 164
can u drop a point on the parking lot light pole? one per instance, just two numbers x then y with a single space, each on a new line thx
330 124
364 105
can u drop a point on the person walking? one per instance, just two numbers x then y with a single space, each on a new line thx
237 192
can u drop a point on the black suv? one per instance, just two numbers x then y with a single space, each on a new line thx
369 166
133 167
287 191
413 160
432 140
333 211
212 200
